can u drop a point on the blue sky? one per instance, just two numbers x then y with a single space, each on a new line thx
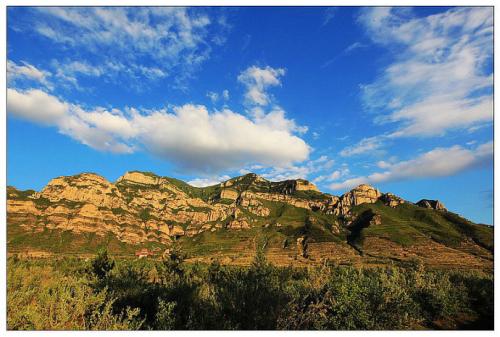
400 98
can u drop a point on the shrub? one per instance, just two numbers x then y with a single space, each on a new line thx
172 294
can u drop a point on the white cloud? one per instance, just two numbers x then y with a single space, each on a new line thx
203 182
36 106
436 163
257 80
214 97
441 78
26 71
190 136
168 39
302 171
197 139
277 120
383 164
366 145
354 46
335 175
113 122
68 72
435 115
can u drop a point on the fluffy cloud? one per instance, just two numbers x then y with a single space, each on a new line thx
36 105
441 77
257 80
198 139
276 119
190 136
436 163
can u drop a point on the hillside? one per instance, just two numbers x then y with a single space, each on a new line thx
292 221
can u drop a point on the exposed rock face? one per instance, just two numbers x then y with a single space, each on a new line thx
227 193
291 186
86 187
139 178
391 200
142 207
238 224
362 194
304 185
433 204
359 195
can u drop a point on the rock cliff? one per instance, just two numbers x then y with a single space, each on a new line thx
141 209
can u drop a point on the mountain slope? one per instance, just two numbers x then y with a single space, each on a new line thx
291 220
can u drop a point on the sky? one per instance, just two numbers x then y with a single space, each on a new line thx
400 98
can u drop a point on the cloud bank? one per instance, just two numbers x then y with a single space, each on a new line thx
439 162
190 136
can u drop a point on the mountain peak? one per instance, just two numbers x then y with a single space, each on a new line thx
364 187
305 185
139 177
143 209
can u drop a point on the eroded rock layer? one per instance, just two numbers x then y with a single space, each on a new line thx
293 217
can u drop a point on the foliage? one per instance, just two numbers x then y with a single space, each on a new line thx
42 297
172 294
102 264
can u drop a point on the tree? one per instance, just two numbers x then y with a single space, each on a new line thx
102 264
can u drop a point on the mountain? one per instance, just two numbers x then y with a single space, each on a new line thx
292 221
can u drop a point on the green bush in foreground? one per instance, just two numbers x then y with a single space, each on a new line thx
162 295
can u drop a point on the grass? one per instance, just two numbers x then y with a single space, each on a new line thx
407 224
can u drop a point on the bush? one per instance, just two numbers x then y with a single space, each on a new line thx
172 294
41 298
102 264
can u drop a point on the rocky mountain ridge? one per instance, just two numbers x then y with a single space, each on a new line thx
143 209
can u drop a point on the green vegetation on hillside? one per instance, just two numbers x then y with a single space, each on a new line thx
406 224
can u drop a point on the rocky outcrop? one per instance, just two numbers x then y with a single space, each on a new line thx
432 204
238 224
391 200
86 187
304 185
141 207
302 246
227 193
299 224
139 178
359 195
291 186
